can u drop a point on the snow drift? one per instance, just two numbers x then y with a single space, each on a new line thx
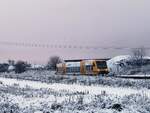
125 64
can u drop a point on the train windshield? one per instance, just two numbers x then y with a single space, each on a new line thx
101 64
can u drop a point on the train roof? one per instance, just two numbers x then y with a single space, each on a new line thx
78 60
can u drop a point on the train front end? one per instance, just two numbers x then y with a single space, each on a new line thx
102 67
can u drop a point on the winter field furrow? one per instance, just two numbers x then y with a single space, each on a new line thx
50 77
95 90
25 96
45 92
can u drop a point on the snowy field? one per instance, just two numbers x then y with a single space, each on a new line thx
36 96
58 87
50 77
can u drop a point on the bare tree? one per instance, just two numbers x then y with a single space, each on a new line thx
11 62
21 66
138 55
53 61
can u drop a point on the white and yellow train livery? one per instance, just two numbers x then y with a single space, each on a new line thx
84 67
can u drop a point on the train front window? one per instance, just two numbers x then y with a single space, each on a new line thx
101 64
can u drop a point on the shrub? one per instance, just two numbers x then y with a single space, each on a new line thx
4 67
53 61
56 106
20 67
117 107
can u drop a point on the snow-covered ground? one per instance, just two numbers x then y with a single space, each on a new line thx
50 77
93 90
24 96
125 64
44 92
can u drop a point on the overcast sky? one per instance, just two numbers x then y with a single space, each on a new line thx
78 22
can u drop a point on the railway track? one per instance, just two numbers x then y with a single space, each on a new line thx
133 77
116 76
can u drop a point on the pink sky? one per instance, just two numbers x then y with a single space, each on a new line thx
78 22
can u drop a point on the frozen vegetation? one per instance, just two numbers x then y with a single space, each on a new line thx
127 65
41 91
50 77
19 96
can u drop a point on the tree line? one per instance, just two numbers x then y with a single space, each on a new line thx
22 66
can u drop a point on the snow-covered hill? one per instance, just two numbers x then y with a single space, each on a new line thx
125 64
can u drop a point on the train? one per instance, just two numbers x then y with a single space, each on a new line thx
83 67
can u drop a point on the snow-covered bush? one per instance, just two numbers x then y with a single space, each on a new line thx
21 66
50 77
7 106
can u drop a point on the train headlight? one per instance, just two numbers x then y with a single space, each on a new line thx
106 69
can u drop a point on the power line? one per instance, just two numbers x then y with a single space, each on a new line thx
59 46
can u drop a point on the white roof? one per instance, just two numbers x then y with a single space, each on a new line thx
72 64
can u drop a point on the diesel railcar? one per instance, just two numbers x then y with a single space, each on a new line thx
84 67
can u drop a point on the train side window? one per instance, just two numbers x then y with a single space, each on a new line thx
71 69
78 69
74 69
68 70
89 67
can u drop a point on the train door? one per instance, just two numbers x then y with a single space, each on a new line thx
94 68
89 69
